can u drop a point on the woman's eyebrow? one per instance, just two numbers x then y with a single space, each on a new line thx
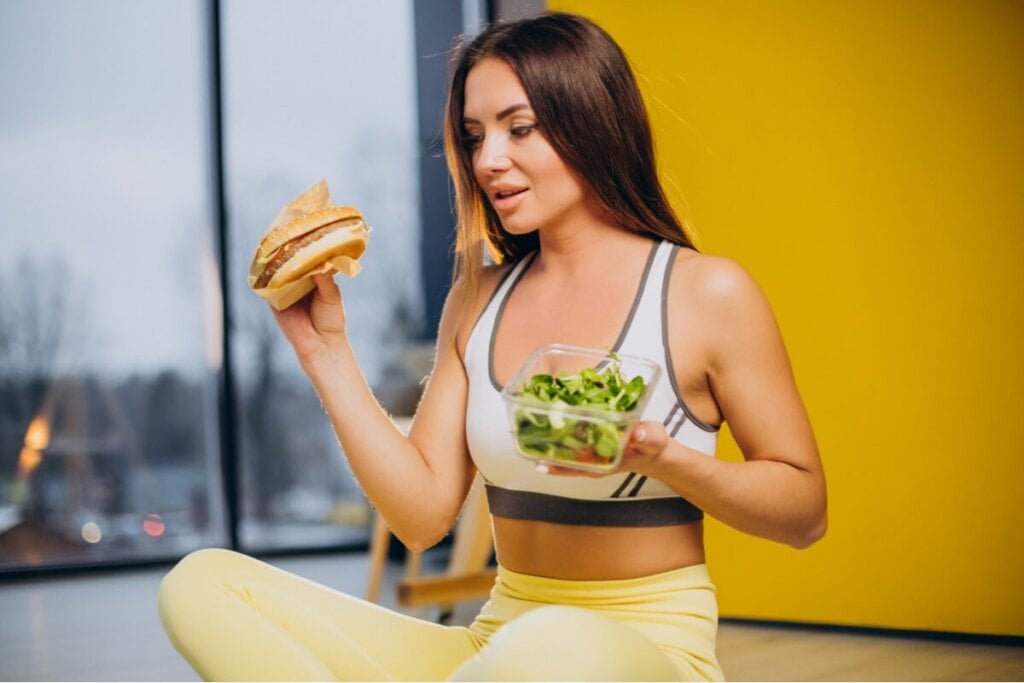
511 110
501 114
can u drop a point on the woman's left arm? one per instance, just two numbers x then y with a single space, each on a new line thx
778 491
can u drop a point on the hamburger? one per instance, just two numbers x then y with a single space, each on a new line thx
331 237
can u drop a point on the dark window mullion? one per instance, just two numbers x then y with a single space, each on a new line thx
437 24
229 454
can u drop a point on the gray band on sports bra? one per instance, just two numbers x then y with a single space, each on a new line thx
625 512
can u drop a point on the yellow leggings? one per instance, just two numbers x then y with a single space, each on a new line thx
235 618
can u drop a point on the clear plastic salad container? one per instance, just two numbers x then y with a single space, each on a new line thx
576 407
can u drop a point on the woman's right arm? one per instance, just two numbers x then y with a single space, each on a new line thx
417 483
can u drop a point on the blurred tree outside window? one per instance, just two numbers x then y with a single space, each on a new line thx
108 356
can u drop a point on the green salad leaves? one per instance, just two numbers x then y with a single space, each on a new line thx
546 427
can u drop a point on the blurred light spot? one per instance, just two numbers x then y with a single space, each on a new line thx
91 532
28 460
153 525
37 438
38 435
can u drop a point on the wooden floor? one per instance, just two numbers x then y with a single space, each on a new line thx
104 627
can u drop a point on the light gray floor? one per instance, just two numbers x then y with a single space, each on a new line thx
104 627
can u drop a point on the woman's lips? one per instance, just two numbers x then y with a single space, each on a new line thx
507 200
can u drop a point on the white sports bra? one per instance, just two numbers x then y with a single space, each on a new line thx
515 489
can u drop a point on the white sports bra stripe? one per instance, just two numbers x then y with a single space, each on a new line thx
515 489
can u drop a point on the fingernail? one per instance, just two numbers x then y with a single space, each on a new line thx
542 468
640 435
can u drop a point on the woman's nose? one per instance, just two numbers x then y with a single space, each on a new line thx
493 155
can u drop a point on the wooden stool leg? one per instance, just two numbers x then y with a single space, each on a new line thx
412 564
468 575
379 541
472 545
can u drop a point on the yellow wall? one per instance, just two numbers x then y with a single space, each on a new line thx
865 161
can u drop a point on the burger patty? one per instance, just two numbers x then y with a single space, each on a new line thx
288 249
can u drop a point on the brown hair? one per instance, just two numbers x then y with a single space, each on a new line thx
589 109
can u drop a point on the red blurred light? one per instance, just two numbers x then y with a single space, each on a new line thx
153 525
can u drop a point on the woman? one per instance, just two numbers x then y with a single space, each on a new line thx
600 576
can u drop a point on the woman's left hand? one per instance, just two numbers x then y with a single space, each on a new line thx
645 444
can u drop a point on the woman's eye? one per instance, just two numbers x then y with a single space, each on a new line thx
522 130
472 140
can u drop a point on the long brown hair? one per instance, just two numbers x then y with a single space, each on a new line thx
589 109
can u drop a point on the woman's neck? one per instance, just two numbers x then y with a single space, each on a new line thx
583 247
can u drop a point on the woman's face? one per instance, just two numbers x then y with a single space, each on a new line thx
527 183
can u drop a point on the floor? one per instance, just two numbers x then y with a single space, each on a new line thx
104 627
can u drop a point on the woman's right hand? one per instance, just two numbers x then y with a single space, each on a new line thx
316 321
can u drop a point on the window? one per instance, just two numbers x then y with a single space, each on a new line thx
112 326
315 90
108 316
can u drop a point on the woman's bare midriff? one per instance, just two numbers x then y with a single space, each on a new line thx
584 553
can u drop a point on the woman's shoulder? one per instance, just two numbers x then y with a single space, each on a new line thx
476 292
470 299
712 278
492 275
477 295
716 293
